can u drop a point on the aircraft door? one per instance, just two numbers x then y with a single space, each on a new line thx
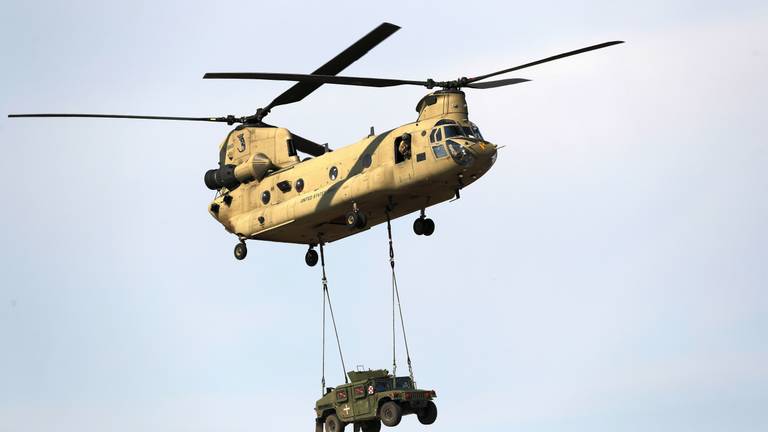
403 154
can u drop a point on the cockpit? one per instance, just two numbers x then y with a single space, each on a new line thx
440 138
446 128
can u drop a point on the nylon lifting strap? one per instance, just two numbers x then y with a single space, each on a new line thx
396 297
327 296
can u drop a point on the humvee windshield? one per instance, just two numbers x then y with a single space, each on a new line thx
385 384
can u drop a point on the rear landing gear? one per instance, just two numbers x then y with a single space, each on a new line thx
423 225
311 257
241 250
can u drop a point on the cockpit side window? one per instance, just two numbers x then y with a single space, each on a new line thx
432 135
439 135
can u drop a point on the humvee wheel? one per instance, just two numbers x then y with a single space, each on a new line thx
418 226
429 226
333 424
428 414
371 426
311 258
241 251
391 414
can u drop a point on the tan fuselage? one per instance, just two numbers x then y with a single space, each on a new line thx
370 175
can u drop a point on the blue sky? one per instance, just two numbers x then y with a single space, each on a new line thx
608 273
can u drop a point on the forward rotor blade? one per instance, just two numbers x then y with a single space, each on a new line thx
228 119
314 79
499 83
545 60
337 64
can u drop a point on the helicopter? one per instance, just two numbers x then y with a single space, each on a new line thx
266 191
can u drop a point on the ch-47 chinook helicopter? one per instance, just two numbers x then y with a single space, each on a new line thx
266 192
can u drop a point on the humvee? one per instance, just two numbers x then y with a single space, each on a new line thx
371 398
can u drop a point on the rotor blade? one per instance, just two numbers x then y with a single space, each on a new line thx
548 59
306 146
229 119
337 64
499 83
315 80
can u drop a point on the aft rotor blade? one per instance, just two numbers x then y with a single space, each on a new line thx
306 146
228 119
337 64
545 60
499 83
314 79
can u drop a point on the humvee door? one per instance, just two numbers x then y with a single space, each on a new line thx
344 404
362 398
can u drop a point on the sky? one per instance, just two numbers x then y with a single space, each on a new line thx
609 273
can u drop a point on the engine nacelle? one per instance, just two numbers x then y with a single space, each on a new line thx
232 176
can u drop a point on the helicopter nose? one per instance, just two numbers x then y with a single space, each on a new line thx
484 150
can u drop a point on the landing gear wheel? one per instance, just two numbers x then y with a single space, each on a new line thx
333 424
371 426
362 220
418 226
241 251
429 226
428 414
351 219
391 414
311 258
356 219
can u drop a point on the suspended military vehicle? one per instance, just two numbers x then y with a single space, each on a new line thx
265 191
371 398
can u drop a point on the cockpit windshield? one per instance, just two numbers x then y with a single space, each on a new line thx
472 131
453 131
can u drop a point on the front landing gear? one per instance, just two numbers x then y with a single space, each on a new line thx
356 218
241 250
423 225
311 257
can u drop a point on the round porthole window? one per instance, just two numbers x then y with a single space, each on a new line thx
265 197
333 173
299 185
